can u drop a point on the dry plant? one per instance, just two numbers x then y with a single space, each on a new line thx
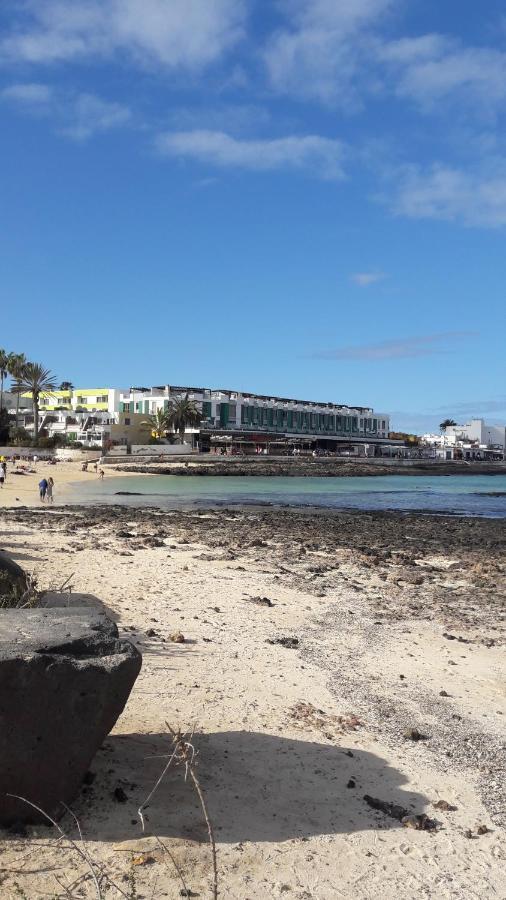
184 755
16 595
95 869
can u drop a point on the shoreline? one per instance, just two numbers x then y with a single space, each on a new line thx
23 489
307 468
314 642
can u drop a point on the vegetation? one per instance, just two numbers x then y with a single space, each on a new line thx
17 365
448 423
36 380
183 413
66 386
158 424
5 424
4 371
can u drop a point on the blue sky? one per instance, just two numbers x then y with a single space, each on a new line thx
303 197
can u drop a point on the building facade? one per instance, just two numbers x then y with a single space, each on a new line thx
88 400
246 415
99 416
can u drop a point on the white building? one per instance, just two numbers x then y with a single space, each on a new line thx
11 399
258 417
474 440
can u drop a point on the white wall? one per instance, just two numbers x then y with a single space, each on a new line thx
159 449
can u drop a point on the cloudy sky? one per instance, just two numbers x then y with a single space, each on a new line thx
303 197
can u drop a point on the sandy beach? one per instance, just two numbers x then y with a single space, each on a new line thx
316 648
23 489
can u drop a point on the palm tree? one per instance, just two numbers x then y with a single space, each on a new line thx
158 424
183 412
4 371
36 380
66 386
17 365
448 423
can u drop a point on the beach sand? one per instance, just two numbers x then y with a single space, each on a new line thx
23 490
398 623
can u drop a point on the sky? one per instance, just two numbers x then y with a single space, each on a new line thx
303 198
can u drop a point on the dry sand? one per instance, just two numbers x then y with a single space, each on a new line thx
290 740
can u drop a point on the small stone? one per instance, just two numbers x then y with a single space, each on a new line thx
444 805
177 638
119 795
482 829
413 734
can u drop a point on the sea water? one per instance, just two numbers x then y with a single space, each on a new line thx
459 494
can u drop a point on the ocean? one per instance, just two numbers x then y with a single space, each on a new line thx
472 495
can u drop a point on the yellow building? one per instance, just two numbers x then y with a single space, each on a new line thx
84 399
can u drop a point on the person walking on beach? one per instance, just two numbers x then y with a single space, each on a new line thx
49 490
42 489
3 466
101 474
2 476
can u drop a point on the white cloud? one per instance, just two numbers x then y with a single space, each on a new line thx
186 33
336 52
89 114
77 116
320 54
473 197
320 155
29 93
364 279
432 68
398 348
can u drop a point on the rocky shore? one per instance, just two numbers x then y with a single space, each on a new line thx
343 672
306 467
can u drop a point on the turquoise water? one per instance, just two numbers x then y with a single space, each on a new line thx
443 493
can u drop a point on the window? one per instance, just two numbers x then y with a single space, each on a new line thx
102 399
81 401
383 425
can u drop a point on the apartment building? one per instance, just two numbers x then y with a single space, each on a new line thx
255 416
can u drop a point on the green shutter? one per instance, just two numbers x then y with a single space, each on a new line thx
224 414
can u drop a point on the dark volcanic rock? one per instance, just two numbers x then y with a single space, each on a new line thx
65 678
11 575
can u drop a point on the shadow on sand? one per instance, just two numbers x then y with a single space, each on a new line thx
259 787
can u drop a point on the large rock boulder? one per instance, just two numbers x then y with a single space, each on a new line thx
65 678
12 580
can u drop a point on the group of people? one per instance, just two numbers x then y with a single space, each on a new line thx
46 489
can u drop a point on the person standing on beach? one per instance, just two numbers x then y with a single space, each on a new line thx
2 477
42 489
49 490
3 466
